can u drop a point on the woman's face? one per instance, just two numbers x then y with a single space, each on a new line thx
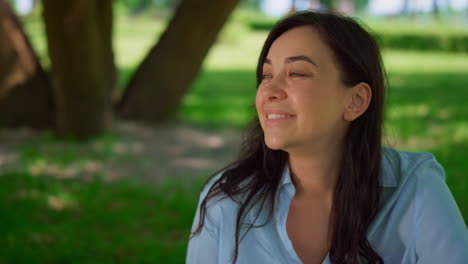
301 100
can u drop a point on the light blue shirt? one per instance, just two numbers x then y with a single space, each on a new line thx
419 221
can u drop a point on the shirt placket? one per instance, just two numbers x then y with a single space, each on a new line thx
285 197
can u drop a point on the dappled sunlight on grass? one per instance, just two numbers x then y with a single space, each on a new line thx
144 153
414 110
426 104
61 201
429 138
83 169
69 159
460 132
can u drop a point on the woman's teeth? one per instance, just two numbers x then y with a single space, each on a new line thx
275 116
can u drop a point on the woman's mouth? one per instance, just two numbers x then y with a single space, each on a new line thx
278 119
277 116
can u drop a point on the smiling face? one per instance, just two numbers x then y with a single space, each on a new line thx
301 100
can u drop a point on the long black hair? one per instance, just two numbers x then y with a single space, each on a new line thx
256 175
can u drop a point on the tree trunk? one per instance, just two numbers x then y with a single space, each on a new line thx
158 85
406 7
435 9
79 39
25 93
314 4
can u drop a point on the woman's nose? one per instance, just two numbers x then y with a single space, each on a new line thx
274 92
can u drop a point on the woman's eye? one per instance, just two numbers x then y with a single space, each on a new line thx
296 74
266 76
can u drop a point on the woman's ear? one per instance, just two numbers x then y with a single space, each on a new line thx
358 102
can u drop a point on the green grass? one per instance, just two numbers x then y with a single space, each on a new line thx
126 222
46 220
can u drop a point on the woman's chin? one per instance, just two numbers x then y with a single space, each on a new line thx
275 143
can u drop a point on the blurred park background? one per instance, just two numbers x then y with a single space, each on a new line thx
113 113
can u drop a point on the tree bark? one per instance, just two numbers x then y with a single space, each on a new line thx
25 93
155 90
79 39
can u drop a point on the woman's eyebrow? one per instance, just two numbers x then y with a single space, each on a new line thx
300 58
294 59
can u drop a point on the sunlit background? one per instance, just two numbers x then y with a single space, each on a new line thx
128 195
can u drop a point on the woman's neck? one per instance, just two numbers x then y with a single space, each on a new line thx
315 174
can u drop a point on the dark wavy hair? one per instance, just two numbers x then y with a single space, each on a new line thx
257 173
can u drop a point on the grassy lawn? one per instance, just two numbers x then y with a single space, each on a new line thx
48 220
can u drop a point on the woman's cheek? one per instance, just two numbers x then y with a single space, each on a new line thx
258 105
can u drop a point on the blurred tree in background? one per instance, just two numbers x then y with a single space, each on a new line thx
79 39
156 89
25 92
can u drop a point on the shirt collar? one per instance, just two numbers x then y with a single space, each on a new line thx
387 176
387 171
286 178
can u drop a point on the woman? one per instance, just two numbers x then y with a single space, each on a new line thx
314 184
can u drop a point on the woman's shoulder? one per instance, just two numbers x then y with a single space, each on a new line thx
220 204
418 212
400 167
